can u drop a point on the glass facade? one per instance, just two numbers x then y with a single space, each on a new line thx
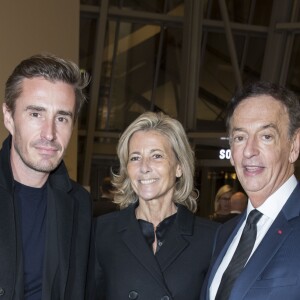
184 58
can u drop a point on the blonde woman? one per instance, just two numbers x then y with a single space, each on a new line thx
155 247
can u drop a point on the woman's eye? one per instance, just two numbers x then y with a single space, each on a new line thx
134 158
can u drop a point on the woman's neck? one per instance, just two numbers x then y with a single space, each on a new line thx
155 212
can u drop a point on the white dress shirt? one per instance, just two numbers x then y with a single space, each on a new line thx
270 209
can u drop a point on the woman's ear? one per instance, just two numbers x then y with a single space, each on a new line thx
178 171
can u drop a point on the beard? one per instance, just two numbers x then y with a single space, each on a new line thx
44 165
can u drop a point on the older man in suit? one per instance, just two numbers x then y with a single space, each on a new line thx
260 258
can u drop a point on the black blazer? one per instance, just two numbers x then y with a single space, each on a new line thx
67 236
126 267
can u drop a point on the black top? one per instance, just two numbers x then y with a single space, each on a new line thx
32 207
161 231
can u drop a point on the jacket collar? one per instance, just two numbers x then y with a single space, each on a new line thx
292 207
132 236
184 220
6 176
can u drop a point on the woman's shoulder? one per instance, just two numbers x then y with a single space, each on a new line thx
199 223
107 217
115 218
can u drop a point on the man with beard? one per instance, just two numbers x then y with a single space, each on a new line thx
45 217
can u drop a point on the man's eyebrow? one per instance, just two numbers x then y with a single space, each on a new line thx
270 125
41 108
35 107
237 129
65 113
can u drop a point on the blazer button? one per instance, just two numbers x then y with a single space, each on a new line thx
2 291
165 298
133 295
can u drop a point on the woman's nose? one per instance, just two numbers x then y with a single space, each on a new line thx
145 165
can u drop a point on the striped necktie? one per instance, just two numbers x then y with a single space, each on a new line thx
240 256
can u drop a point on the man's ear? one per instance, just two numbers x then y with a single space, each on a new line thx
295 147
8 119
231 159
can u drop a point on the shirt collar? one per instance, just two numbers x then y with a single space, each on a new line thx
274 203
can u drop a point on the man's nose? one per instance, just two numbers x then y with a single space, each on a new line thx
251 147
48 131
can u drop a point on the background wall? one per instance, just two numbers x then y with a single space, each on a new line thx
34 26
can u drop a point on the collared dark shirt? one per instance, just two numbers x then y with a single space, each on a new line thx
161 231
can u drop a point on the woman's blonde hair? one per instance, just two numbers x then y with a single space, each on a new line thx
172 129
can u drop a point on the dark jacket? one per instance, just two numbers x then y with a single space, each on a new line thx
126 267
104 206
67 236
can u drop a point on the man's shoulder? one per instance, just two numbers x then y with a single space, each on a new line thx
78 187
80 192
231 224
226 230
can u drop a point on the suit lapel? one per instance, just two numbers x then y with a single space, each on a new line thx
175 242
262 256
65 213
51 249
59 236
135 241
228 235
10 268
10 251
271 243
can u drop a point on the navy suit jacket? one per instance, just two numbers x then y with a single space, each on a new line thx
273 271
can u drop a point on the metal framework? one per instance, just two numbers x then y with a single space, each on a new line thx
279 36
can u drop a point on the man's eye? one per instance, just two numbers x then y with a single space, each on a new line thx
157 156
62 119
35 114
238 138
267 137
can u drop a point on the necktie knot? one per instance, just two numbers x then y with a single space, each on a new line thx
254 217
